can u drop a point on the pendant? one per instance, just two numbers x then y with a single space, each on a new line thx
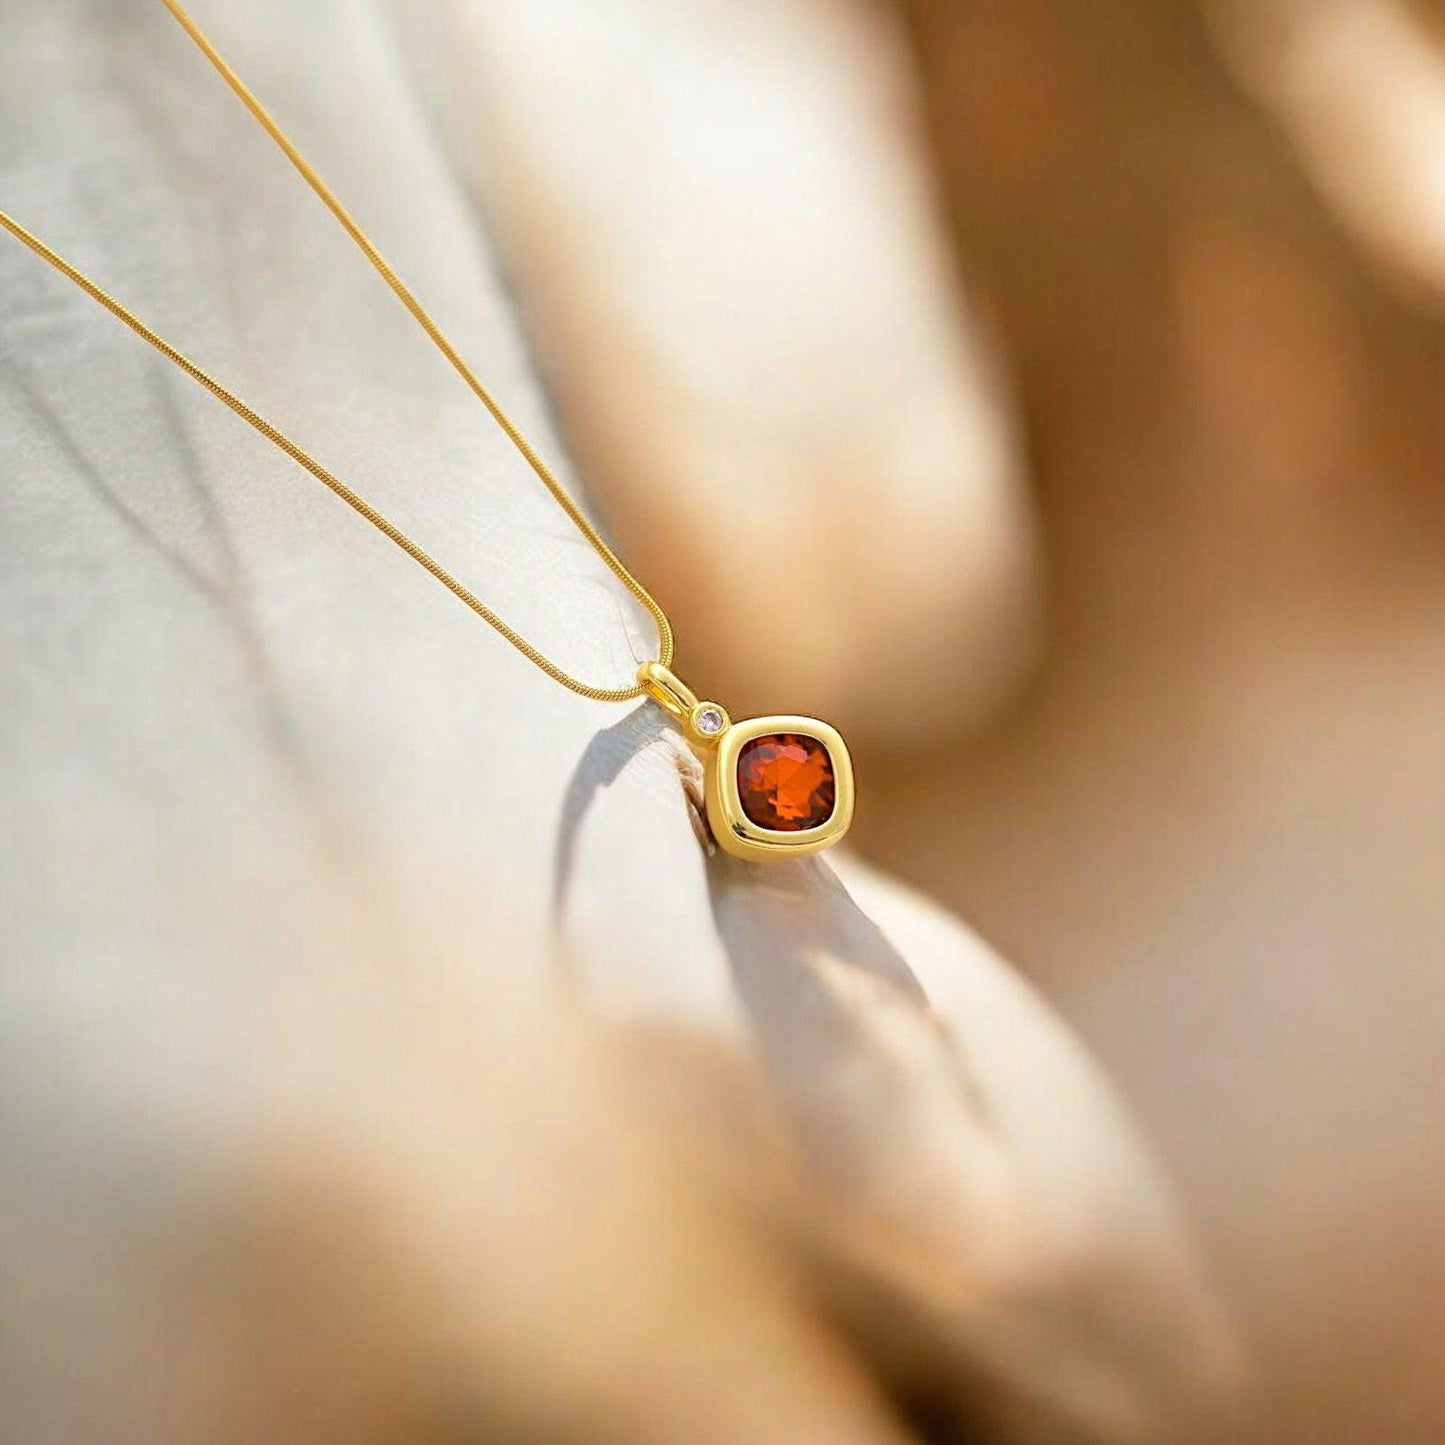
776 787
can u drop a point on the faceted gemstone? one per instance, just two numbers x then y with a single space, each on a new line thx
785 782
710 720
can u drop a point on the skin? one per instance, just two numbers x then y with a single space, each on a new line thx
786 376
382 1051
1207 242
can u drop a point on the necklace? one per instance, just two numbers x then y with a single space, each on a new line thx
775 787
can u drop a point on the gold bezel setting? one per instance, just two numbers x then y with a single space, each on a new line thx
720 741
734 831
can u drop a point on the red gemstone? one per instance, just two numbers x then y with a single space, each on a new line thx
785 782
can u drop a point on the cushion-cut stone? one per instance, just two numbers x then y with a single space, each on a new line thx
785 782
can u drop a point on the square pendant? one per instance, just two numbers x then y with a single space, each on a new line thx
779 787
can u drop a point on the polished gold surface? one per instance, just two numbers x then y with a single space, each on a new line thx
719 745
666 689
734 831
703 722
706 725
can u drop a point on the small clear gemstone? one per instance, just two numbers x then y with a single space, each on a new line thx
710 720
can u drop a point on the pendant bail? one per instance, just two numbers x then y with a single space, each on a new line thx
666 689
703 723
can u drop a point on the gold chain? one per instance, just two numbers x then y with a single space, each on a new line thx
352 499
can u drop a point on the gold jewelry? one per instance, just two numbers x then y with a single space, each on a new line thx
775 786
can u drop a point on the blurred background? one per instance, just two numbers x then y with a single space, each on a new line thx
1050 393
1076 371
1212 824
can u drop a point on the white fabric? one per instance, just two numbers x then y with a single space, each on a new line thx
243 735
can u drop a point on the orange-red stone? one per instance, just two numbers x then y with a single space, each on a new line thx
785 782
